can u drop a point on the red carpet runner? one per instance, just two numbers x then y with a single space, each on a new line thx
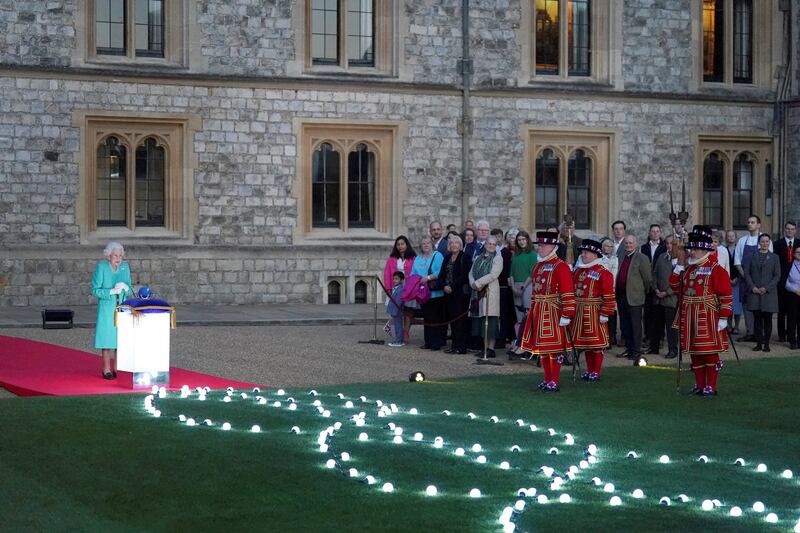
31 368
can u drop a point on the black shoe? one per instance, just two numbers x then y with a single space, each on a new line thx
435 348
108 375
652 351
633 356
766 348
114 373
490 354
622 354
757 347
540 387
449 350
671 355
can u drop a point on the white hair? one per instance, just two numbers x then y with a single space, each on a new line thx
457 238
110 247
482 223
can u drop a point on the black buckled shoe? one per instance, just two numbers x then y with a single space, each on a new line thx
108 375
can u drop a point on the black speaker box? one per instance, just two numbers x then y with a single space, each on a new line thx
57 318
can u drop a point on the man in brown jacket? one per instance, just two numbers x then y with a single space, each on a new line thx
633 281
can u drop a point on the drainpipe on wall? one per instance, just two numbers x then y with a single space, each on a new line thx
779 114
463 187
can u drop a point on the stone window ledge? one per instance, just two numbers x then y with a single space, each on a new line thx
137 63
352 237
137 236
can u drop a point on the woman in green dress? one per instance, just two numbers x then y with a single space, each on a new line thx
111 284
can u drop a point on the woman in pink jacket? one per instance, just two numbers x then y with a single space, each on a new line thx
401 259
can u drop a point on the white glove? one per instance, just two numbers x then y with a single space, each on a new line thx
122 287
564 321
674 262
115 290
678 269
722 324
603 319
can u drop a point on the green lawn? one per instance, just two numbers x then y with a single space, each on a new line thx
105 464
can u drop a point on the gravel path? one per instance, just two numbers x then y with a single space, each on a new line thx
300 356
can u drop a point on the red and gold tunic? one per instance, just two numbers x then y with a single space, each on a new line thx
594 297
705 298
552 297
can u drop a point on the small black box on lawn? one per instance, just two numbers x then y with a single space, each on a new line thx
57 318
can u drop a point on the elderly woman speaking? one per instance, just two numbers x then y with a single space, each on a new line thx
111 284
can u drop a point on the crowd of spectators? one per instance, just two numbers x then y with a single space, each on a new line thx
477 285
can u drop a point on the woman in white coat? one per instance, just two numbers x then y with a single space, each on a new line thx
486 268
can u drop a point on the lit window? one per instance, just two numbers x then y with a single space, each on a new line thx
562 25
720 46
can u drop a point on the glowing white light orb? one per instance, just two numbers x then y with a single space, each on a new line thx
495 419
370 480
787 474
551 431
157 413
397 429
363 437
797 527
295 430
555 485
504 465
317 403
362 398
207 389
243 395
229 392
330 463
533 427
759 507
592 459
459 451
226 426
739 462
326 414
388 487
574 469
609 487
282 392
665 501
202 397
520 422
182 418
292 406
565 498
481 459
379 403
519 505
261 400
345 456
583 464
707 505
684 498
615 501
348 404
597 481
772 518
190 422
438 444
531 492
446 412
509 527
154 390
323 448
417 436
632 455
413 411
337 426
226 399
440 440
476 447
638 493
569 439
515 448
353 472
541 499
761 468
553 451
255 429
162 389
547 471
736 511
592 449
571 475
431 490
475 493
702 459
471 416
393 407
664 459
162 394
340 396
397 439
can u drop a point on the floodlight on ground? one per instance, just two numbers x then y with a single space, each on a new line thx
739 462
494 419
665 501
416 377
431 490
640 362
702 459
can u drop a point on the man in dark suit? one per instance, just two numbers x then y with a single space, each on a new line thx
633 280
652 249
784 249
439 240
618 228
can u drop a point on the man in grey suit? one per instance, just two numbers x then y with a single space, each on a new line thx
618 229
633 281
665 302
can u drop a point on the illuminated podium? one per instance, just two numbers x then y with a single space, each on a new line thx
143 329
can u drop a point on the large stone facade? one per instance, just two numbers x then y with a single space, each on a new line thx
245 215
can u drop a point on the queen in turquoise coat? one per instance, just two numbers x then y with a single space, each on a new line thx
111 284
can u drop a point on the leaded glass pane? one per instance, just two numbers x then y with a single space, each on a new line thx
578 37
325 187
109 18
110 188
546 34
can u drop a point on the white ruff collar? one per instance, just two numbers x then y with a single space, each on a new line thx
549 256
595 262
693 261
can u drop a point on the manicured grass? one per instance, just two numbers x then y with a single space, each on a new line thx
105 464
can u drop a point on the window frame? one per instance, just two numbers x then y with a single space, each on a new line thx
383 34
383 140
764 57
175 17
729 148
173 132
598 145
601 13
